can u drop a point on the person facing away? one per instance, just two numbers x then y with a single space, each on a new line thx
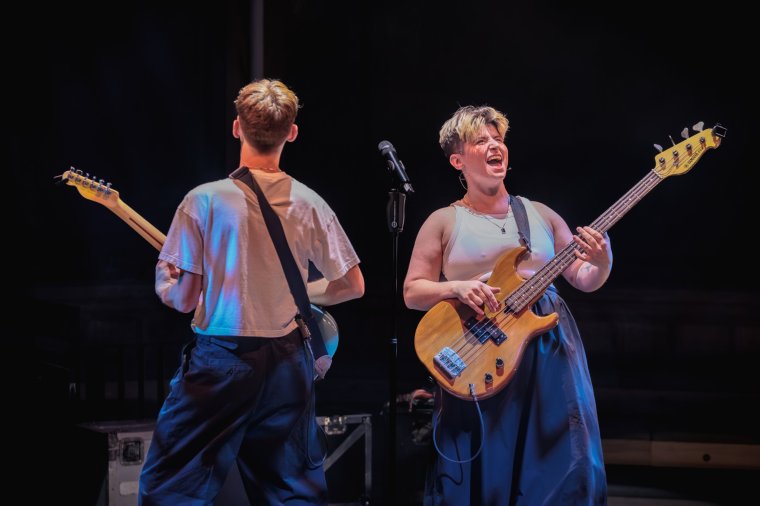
244 392
540 442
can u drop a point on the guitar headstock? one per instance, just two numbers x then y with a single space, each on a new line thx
90 188
680 158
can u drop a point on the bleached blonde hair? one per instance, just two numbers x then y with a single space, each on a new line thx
466 123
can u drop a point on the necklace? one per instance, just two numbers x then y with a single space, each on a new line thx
501 227
266 169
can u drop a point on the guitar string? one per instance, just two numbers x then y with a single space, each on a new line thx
527 291
479 348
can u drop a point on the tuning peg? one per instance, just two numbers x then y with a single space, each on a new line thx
671 139
685 133
658 148
699 126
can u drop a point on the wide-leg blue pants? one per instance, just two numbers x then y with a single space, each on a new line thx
244 400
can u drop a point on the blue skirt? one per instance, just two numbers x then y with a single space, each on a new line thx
541 443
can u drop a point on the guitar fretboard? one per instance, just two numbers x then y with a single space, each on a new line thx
528 292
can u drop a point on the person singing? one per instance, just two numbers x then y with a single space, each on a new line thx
541 442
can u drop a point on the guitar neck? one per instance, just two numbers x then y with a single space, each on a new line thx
139 224
528 292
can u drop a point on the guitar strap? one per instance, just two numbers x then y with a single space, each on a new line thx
521 218
295 281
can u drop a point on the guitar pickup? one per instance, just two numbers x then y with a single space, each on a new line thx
449 362
485 329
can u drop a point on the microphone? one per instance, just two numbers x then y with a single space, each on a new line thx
395 165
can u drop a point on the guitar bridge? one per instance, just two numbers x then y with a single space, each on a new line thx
449 362
485 329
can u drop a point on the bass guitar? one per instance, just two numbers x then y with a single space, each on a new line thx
101 192
476 357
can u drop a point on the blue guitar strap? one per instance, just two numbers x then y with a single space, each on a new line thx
521 218
289 266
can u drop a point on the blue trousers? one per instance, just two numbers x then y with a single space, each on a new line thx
244 400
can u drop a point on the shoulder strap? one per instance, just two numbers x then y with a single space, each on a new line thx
297 287
521 218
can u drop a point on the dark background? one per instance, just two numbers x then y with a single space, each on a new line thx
143 97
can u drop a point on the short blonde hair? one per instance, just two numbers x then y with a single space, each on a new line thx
266 109
466 123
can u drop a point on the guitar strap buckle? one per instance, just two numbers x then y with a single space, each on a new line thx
303 327
322 363
525 241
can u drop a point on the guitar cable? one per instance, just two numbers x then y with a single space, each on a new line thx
482 428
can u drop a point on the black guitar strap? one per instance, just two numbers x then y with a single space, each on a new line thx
521 218
289 266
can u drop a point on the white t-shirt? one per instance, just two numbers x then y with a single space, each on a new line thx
218 231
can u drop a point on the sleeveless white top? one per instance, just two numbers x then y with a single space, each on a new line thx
477 242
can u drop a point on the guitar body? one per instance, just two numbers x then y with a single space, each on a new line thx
328 327
448 324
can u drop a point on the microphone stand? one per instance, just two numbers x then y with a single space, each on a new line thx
395 213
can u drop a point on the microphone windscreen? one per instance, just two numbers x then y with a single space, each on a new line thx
385 147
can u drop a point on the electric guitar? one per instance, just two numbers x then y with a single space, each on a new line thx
101 192
476 357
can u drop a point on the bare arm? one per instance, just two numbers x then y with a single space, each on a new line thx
593 261
350 286
422 286
177 289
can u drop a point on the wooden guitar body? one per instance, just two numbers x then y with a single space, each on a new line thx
490 363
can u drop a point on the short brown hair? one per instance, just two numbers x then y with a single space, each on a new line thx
266 109
465 124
